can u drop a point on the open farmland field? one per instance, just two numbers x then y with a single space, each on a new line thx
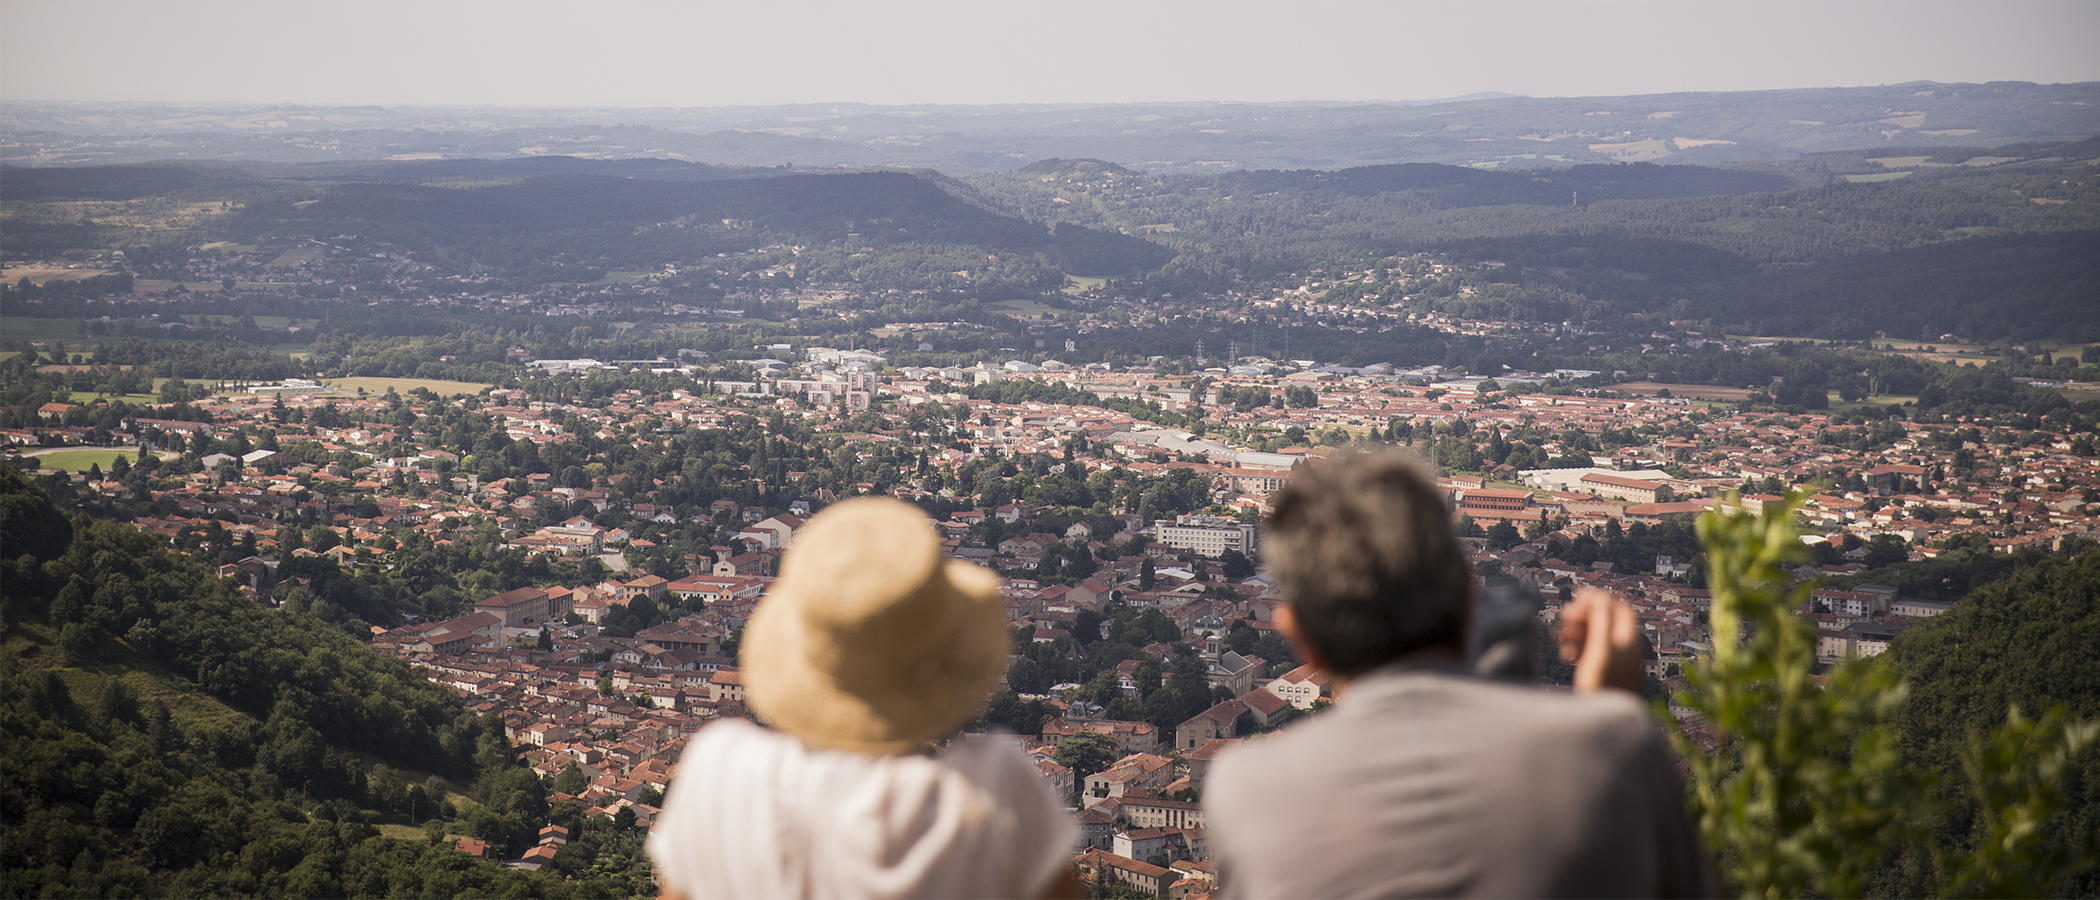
156 285
80 460
145 219
1083 283
264 321
1766 338
1024 308
23 328
436 386
295 256
1839 404
54 367
1938 351
1930 347
1634 151
1682 391
45 274
91 396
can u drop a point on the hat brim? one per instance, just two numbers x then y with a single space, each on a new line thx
932 695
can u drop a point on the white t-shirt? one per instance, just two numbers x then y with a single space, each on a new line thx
758 813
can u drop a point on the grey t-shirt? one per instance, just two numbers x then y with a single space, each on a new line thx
1428 783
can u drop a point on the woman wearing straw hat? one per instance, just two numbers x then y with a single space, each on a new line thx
871 645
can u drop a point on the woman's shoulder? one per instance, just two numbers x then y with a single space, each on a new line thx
991 761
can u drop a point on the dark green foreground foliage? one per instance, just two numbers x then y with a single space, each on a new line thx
2027 642
1912 774
164 736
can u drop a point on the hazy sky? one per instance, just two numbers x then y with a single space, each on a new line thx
693 53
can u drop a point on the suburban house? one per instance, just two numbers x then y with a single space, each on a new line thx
1301 686
1104 867
1129 737
518 608
774 533
726 684
1230 719
1631 489
1138 771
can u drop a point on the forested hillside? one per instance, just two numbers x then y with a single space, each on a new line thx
131 181
541 221
164 736
2024 642
1983 243
1930 242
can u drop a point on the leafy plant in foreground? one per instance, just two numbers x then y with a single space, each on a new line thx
1808 787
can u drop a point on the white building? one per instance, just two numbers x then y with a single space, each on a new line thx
1207 535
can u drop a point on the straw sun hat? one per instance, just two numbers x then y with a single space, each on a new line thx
872 641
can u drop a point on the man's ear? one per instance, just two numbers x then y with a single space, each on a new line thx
1287 621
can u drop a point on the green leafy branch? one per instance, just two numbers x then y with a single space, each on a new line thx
2016 777
1808 787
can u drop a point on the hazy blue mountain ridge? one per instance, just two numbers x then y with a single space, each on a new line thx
1702 127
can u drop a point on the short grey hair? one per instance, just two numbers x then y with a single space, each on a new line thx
1363 549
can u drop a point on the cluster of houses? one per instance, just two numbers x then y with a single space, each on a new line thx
620 711
620 708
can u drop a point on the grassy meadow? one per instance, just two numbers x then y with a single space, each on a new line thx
436 386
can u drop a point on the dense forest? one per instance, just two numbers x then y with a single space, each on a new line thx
1986 246
2022 642
165 736
879 229
1987 252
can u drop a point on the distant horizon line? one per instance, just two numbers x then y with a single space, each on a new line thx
1480 95
1461 98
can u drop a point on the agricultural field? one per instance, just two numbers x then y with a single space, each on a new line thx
1838 404
1083 283
91 396
1940 351
1930 347
1764 338
23 328
295 256
45 274
1634 151
145 219
625 278
1025 308
437 386
262 321
2080 391
80 460
1683 391
156 285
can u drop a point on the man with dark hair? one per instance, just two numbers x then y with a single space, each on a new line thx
1425 780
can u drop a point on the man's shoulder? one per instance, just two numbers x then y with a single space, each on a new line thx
1552 728
1496 705
1461 709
